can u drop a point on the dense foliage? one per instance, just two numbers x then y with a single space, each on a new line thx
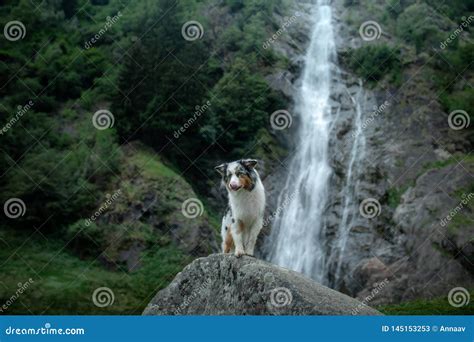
150 77
432 34
195 102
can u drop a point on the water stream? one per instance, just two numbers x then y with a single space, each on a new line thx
298 233
299 238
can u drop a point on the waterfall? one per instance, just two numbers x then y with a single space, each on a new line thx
297 238
350 207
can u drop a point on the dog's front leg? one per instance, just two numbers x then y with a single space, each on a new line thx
253 235
237 234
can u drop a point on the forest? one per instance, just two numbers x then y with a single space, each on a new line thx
113 113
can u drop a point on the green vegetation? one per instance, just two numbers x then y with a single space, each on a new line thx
449 63
128 57
166 94
373 62
145 201
438 306
64 284
424 34
395 195
151 166
68 66
463 217
421 25
457 158
147 74
460 220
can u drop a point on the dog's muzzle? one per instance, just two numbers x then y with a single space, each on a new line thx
234 187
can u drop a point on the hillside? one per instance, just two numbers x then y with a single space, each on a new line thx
111 116
115 112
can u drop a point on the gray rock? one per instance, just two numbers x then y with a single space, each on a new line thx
222 284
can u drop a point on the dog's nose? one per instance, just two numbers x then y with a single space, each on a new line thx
233 186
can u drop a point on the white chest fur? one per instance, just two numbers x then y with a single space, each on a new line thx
248 205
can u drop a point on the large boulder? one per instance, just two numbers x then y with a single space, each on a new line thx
222 284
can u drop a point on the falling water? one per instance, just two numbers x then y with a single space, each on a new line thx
349 208
297 240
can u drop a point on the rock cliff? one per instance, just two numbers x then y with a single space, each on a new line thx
410 163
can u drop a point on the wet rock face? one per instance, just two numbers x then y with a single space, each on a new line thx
222 284
434 223
409 163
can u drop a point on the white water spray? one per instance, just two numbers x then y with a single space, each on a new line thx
297 239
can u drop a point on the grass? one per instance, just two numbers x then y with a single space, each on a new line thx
466 159
459 221
395 195
151 165
64 284
438 306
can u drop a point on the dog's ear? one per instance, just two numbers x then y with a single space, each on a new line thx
221 169
249 163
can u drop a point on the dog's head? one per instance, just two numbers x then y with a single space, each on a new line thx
239 174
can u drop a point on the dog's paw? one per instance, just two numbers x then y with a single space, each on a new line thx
239 253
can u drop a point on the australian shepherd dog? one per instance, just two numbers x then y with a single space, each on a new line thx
243 218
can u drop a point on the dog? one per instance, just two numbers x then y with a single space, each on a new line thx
243 218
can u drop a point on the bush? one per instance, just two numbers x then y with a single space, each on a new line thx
60 184
422 25
373 62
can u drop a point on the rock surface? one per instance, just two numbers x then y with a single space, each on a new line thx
225 285
417 169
